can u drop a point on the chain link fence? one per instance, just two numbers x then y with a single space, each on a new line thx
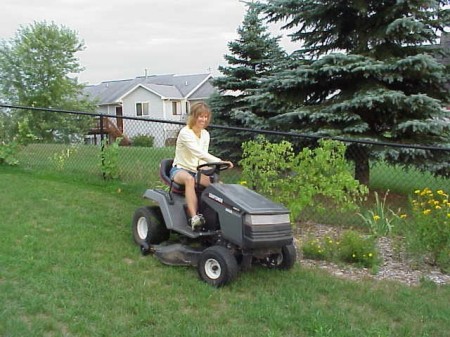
98 146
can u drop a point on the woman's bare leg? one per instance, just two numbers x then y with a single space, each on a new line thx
184 178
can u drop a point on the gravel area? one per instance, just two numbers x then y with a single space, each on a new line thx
395 266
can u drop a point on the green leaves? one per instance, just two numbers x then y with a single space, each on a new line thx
381 219
429 233
311 178
8 152
36 68
110 159
364 69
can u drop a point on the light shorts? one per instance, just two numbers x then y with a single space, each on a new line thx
174 170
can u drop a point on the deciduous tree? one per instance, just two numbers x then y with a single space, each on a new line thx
37 69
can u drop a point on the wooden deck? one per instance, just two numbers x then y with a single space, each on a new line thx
109 129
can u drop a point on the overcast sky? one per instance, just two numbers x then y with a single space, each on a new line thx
123 38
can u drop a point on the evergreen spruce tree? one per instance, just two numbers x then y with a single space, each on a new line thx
365 70
252 56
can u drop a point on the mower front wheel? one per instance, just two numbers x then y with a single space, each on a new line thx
284 260
217 266
148 226
289 254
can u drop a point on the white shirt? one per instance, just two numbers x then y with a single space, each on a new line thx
191 150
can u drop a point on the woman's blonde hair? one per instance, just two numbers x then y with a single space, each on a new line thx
198 109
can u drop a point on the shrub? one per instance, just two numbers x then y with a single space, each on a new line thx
429 232
355 248
350 247
8 152
110 159
320 248
142 141
319 178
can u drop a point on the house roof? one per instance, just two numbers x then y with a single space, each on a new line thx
196 86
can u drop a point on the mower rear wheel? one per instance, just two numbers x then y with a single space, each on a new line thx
148 226
217 266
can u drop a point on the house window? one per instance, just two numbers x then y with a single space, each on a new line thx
175 109
142 109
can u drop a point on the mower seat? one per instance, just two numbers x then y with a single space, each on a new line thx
164 173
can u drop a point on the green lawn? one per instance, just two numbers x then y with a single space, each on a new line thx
68 267
404 181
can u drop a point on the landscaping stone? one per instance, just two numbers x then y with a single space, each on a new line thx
395 265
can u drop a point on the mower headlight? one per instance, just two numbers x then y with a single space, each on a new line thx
271 219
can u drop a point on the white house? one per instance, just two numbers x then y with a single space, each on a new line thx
164 97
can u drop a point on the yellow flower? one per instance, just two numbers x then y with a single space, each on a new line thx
353 255
448 215
427 211
438 207
376 217
416 191
370 254
243 182
403 216
441 192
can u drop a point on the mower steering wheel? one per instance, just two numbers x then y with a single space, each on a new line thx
216 167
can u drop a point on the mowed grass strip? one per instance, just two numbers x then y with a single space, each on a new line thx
68 267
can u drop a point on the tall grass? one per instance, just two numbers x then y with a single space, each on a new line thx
402 180
68 267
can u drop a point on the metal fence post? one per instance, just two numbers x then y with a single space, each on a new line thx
102 147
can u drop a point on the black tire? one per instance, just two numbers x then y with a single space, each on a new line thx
289 254
284 260
148 226
217 266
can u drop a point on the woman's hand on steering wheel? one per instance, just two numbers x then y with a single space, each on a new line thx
229 163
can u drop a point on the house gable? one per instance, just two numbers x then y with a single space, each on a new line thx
140 95
162 91
203 91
